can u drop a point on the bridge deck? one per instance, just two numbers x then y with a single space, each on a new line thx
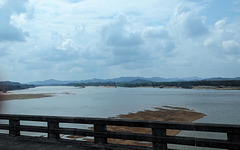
35 143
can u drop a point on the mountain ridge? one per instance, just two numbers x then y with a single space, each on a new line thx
128 79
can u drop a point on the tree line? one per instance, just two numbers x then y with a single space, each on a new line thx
182 84
8 86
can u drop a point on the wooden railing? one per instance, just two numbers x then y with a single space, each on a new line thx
158 137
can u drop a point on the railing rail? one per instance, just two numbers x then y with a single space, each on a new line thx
100 133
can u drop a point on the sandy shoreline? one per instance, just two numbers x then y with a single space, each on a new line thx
175 87
10 96
217 88
195 87
165 113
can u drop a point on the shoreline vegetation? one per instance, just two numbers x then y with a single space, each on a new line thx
10 96
164 113
10 86
175 87
6 86
204 84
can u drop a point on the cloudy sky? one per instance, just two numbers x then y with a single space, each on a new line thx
84 39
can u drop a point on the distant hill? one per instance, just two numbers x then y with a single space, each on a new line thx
49 82
128 79
115 80
140 81
191 79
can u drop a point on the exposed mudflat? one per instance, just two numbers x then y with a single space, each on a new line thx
166 113
10 96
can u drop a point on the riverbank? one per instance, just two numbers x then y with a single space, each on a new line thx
203 87
175 87
217 87
165 113
10 96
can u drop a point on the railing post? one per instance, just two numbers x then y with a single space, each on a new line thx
98 139
13 123
53 125
233 138
160 145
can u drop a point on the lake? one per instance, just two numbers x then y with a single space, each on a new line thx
220 106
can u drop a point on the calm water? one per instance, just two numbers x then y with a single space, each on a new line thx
220 106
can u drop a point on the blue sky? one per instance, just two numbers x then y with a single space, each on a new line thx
83 39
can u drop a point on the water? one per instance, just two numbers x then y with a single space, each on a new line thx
220 106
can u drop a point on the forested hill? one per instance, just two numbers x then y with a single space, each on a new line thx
187 84
8 86
131 80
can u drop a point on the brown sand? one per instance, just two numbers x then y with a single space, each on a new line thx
167 113
74 137
22 96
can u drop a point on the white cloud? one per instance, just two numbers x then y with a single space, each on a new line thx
231 46
220 24
156 32
99 38
187 22
224 37
117 33
68 44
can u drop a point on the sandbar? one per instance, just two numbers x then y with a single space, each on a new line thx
165 113
10 96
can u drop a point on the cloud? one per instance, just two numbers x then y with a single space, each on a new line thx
73 1
76 69
53 54
119 33
122 42
231 46
125 43
3 52
79 39
68 44
224 35
194 26
9 32
219 25
188 23
156 32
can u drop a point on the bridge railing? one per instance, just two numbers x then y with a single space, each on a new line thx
159 138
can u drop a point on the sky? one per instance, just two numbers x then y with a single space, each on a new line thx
84 39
